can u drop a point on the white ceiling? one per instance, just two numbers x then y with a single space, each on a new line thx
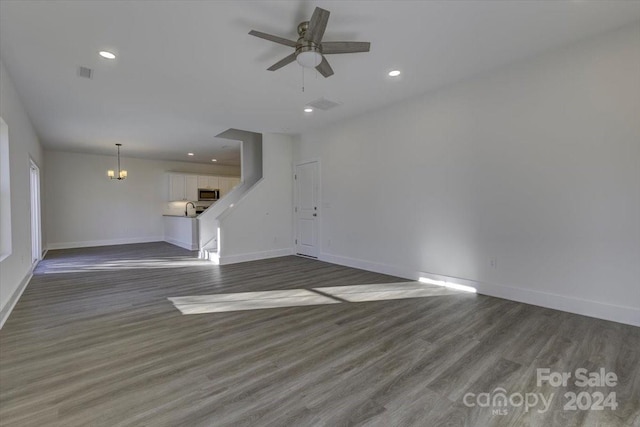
187 70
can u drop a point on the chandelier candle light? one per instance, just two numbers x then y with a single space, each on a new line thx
122 174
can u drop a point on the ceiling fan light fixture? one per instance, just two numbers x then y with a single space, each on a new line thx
309 59
308 110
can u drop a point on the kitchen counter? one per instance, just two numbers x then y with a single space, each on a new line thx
181 231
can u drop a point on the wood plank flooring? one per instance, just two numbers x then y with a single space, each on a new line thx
94 341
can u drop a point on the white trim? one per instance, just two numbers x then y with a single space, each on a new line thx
185 245
35 210
13 300
369 266
254 256
599 310
109 242
6 232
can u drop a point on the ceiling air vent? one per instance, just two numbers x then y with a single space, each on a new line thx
323 104
85 72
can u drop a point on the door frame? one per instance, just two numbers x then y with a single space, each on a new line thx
35 211
295 204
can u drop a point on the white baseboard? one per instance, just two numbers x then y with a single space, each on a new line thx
599 310
254 256
186 245
389 269
108 242
13 300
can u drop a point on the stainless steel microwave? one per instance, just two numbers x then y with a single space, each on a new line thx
205 194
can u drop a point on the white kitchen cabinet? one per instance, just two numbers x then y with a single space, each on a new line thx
183 187
213 183
176 187
203 181
191 187
227 183
208 182
224 183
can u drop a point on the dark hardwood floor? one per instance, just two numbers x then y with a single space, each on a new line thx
94 341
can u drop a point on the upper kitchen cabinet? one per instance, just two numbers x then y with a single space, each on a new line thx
191 188
227 183
176 187
208 182
183 187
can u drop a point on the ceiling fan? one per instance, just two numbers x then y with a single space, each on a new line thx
309 49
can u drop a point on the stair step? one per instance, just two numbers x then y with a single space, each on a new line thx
210 254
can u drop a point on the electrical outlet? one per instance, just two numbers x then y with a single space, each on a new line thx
328 243
493 262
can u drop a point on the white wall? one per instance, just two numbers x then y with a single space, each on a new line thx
260 224
84 208
251 150
536 165
15 270
251 153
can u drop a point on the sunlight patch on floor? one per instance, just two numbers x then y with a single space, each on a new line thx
249 301
240 301
385 291
53 267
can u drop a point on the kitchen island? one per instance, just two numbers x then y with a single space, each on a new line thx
181 231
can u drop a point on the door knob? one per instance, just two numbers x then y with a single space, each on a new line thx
315 214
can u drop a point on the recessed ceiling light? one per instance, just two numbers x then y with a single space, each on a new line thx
308 110
394 73
190 154
106 54
214 160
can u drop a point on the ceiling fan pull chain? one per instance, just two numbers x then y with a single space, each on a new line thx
302 79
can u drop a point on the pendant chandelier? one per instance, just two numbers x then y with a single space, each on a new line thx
122 174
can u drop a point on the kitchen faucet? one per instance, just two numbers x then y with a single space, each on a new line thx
186 211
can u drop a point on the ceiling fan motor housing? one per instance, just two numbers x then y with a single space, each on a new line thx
308 53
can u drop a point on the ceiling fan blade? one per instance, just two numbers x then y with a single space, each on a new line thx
324 68
284 61
317 25
345 47
271 38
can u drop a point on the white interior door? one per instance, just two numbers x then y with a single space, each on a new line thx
306 209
